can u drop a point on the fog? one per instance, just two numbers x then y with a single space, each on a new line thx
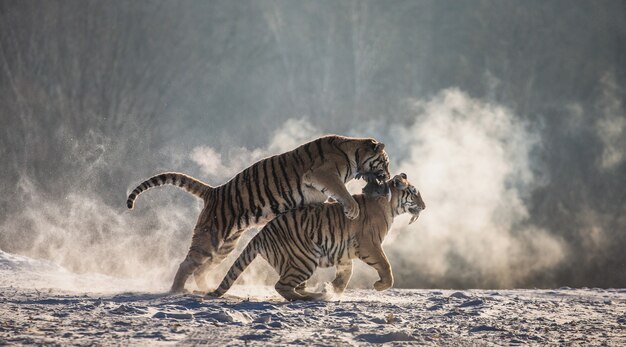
509 117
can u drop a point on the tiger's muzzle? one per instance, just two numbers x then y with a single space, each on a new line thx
415 212
378 176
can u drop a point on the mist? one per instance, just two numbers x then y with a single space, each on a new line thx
509 117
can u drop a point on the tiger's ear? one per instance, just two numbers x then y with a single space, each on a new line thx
378 147
399 181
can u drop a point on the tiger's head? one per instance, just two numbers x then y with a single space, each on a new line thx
405 197
372 162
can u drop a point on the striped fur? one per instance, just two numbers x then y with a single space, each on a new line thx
188 183
308 174
319 235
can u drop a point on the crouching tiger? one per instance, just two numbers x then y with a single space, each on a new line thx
319 235
308 174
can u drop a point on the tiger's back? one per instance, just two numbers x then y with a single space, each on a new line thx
267 188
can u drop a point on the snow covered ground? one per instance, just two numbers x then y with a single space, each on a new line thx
37 306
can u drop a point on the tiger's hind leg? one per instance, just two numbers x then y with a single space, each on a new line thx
291 285
201 274
301 288
201 252
288 291
193 261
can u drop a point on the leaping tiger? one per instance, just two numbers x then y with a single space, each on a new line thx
319 235
307 174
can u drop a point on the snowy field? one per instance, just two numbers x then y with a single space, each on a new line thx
33 314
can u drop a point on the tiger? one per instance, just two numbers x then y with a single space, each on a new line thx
297 242
311 173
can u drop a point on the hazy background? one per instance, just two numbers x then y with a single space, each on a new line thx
509 116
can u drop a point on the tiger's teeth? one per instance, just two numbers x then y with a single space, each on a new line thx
413 219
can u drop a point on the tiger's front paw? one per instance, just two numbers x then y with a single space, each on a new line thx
380 285
351 209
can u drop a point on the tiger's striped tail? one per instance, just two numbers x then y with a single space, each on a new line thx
245 258
188 183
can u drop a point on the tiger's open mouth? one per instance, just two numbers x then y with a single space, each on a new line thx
379 176
415 212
